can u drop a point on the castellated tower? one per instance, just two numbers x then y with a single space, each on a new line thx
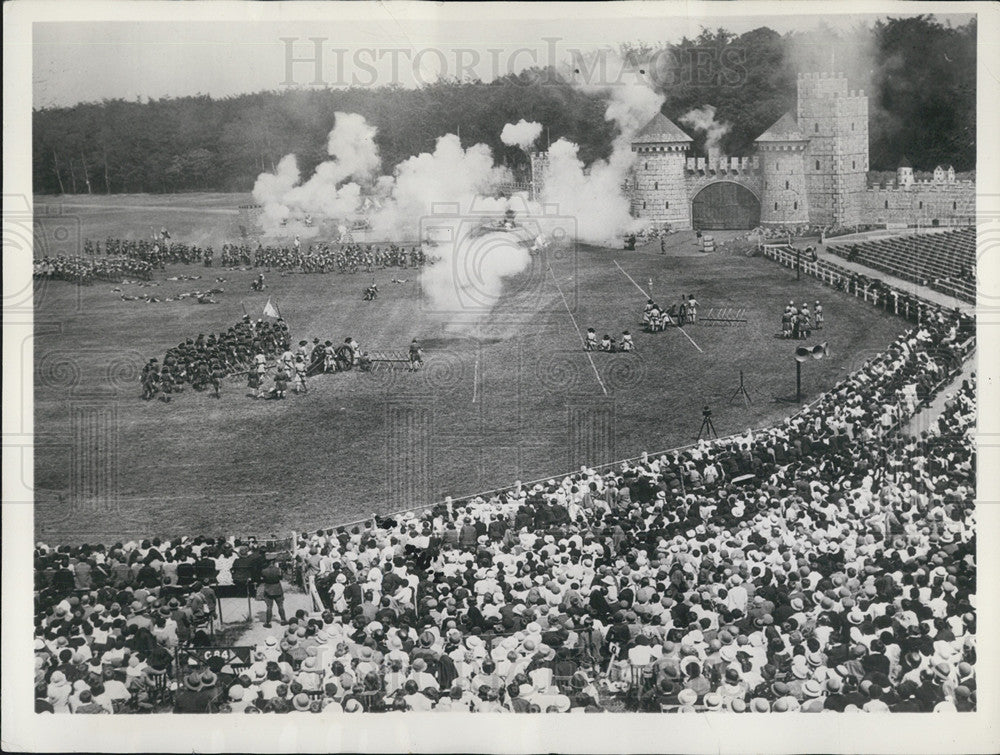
659 188
539 167
835 121
781 151
904 174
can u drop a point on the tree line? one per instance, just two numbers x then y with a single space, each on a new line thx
920 76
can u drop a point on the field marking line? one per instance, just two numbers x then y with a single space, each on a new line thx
583 342
641 289
643 292
475 376
690 338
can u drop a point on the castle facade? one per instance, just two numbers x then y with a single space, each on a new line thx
809 168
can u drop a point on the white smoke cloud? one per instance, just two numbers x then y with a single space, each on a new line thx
703 119
522 134
270 190
351 144
442 199
631 106
450 175
595 195
468 278
593 198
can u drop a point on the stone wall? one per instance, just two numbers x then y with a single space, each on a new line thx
835 121
924 202
658 187
785 198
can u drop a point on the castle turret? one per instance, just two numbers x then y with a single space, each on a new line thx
659 190
539 167
781 149
904 174
835 121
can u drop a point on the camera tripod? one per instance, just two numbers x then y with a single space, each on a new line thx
706 425
741 391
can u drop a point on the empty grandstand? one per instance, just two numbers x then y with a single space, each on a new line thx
943 261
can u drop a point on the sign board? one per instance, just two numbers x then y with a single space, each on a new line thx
239 655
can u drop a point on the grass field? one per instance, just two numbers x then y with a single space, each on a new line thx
197 218
513 397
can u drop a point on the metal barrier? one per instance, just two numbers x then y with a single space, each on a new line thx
870 289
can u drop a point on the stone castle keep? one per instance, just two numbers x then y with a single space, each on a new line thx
809 167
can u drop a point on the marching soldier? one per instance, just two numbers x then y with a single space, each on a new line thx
355 348
216 376
806 327
416 355
692 309
280 381
329 357
300 375
150 380
259 370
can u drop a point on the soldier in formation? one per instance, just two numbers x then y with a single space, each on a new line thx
324 258
205 361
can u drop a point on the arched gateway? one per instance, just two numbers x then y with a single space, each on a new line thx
725 205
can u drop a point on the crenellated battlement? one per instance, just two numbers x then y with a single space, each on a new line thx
822 75
724 165
924 185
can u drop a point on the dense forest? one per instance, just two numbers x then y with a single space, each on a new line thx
920 76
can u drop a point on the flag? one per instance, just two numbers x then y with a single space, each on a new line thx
270 310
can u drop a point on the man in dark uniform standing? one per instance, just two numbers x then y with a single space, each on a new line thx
273 593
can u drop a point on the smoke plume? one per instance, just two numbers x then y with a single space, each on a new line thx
449 176
594 196
351 145
703 119
522 134
441 198
468 278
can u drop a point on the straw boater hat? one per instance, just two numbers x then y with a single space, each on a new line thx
812 688
687 697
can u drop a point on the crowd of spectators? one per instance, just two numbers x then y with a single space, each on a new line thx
824 564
